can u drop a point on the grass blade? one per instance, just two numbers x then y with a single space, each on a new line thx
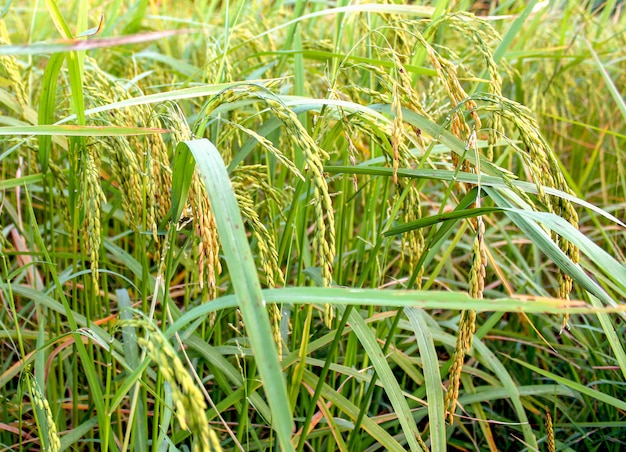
547 246
46 109
489 359
392 388
244 279
593 393
617 96
79 131
432 377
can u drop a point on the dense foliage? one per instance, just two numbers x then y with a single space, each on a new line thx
321 225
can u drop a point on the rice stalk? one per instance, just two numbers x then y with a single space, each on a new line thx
480 32
268 146
447 75
413 241
127 172
246 180
324 238
125 158
407 192
157 177
476 288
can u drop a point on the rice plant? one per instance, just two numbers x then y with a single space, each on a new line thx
268 225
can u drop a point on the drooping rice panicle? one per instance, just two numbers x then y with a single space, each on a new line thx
189 405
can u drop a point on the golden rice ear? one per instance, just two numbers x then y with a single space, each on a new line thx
479 262
92 200
10 65
397 132
550 442
47 427
324 236
545 172
208 247
452 393
254 175
467 323
189 405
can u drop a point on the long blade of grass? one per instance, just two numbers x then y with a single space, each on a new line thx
434 219
244 279
79 131
20 181
547 246
47 100
401 408
424 299
70 44
615 270
432 378
489 181
168 96
58 20
617 96
593 393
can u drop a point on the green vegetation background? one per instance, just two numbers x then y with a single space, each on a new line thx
256 225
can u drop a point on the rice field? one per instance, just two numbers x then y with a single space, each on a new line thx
311 226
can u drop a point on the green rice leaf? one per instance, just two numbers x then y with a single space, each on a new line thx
434 219
489 359
391 385
432 377
79 131
593 393
244 278
47 101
